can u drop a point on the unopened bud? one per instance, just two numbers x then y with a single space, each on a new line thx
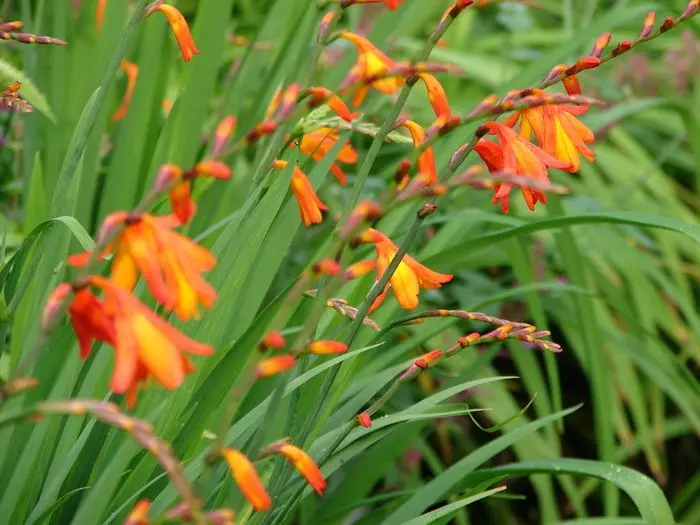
426 211
364 420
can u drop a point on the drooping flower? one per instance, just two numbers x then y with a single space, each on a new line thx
144 343
131 71
557 129
180 194
318 143
275 365
321 95
171 263
179 26
516 156
247 479
409 276
436 96
301 461
426 160
371 64
310 206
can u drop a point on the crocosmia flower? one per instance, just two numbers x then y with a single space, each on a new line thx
179 26
180 193
310 206
301 461
436 96
247 479
557 129
371 63
426 161
409 277
516 156
144 343
321 95
139 514
318 143
171 263
275 365
131 71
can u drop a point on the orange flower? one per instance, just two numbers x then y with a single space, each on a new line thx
181 193
310 206
318 143
516 156
222 134
370 64
131 71
139 514
247 479
144 343
301 461
171 263
321 95
100 13
326 267
436 96
179 26
275 365
426 161
327 347
409 276
364 419
390 4
272 340
558 131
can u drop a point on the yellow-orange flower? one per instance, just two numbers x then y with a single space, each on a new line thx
131 71
247 479
171 263
327 347
144 343
557 129
301 461
318 143
275 365
426 161
310 206
180 29
516 156
359 269
180 194
409 276
371 63
139 514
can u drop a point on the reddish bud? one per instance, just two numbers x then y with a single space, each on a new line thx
648 26
364 420
326 267
622 47
468 339
272 341
600 44
426 359
54 304
262 129
667 24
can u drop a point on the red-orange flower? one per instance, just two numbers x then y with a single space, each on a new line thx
247 479
516 156
426 161
301 461
371 63
171 263
310 206
100 13
272 340
557 129
326 267
180 194
327 347
139 514
318 143
179 26
131 71
275 365
321 95
436 96
144 343
409 276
